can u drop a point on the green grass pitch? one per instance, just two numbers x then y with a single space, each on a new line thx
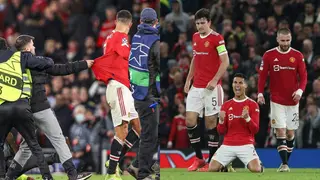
241 174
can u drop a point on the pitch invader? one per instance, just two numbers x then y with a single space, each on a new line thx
209 63
285 66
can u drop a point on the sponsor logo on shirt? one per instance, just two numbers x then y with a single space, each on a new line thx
199 53
232 116
278 68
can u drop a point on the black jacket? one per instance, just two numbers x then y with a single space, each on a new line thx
28 60
154 69
39 99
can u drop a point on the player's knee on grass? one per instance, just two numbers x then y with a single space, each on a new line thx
254 166
191 119
210 121
215 166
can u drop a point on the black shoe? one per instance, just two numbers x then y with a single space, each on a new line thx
84 176
133 171
156 168
72 175
262 168
157 177
47 178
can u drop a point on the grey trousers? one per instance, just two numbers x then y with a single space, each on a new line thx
47 122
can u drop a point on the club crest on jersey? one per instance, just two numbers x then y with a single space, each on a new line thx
207 43
273 121
246 108
292 59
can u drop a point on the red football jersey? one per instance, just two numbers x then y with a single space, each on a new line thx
114 63
179 132
285 69
206 60
237 131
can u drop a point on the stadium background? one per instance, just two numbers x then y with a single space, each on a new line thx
249 29
68 31
71 30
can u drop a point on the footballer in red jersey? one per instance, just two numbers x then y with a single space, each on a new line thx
209 63
178 132
288 79
238 122
112 68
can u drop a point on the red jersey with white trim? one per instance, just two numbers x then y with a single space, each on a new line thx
179 132
237 131
114 63
206 60
285 69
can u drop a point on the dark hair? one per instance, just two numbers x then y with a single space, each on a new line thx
240 75
124 16
22 41
202 13
3 44
284 31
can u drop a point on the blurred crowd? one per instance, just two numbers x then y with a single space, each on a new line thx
249 28
68 31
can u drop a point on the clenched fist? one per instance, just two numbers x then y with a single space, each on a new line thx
222 115
245 113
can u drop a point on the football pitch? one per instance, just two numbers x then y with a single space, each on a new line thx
241 174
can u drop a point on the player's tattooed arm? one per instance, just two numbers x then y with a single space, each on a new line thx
222 69
222 125
263 75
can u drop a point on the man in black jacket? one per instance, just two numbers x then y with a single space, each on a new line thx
144 69
15 93
44 116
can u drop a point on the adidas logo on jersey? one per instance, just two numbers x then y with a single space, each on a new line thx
276 59
230 109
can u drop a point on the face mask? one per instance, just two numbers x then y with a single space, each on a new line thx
79 118
189 48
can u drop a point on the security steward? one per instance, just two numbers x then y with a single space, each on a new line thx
145 82
15 93
44 117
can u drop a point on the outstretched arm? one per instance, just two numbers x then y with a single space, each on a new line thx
68 68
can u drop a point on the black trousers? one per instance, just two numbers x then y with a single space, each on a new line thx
18 115
149 119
